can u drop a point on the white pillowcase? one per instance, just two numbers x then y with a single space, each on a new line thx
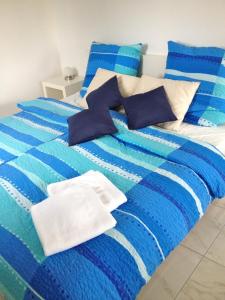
180 95
127 84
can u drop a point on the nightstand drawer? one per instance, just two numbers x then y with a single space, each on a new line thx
53 93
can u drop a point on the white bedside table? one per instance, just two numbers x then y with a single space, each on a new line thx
60 88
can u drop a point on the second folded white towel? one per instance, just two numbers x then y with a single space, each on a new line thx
109 194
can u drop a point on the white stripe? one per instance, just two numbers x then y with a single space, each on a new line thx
116 54
197 76
108 166
181 182
210 95
14 193
122 240
223 62
150 137
60 105
46 166
205 123
23 242
35 125
156 169
47 119
9 149
129 156
146 227
60 140
157 139
33 177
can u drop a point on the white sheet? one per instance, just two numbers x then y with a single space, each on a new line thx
212 135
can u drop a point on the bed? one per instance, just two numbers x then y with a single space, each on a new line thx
212 135
152 166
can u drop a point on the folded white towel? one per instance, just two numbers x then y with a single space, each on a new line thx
109 194
70 218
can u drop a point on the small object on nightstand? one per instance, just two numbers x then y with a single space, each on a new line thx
59 88
69 73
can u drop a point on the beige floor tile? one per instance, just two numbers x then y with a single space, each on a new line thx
217 251
204 233
219 202
171 275
206 283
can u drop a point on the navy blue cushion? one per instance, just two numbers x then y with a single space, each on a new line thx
88 125
107 96
148 109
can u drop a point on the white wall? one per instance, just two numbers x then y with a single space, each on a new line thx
28 53
154 22
38 35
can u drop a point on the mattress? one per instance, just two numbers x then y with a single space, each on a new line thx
212 135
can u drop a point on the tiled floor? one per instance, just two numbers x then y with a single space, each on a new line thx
196 269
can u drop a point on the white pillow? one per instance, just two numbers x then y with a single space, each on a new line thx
127 84
180 95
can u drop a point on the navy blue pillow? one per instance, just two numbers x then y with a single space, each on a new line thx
148 109
88 125
107 96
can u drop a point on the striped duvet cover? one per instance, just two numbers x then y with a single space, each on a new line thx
24 130
169 182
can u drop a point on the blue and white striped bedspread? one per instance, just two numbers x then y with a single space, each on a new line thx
25 130
169 182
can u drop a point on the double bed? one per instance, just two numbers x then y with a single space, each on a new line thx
169 179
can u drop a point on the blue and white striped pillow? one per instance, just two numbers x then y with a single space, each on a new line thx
121 59
204 64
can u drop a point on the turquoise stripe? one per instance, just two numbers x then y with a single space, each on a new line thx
43 170
10 141
82 164
50 107
22 127
213 116
14 282
50 120
148 162
32 177
26 233
9 149
13 286
150 145
124 70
